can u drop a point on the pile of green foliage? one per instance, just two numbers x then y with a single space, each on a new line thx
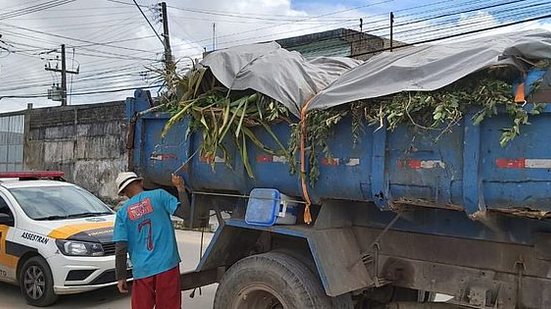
223 116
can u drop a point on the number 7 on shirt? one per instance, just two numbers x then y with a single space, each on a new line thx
147 222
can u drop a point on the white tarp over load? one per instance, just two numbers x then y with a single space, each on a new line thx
278 73
290 79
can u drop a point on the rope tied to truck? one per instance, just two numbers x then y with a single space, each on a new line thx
304 185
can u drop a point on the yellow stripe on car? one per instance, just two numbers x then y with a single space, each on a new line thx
67 231
5 259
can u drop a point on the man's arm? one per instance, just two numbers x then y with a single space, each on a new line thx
121 251
183 209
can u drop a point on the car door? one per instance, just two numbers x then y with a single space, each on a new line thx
8 262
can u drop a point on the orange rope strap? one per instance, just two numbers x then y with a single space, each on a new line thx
303 116
520 94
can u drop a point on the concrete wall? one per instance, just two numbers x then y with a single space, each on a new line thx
87 142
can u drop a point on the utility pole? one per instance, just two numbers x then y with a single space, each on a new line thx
213 36
169 63
63 77
391 30
64 73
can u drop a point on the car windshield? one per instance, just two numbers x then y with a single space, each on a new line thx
59 202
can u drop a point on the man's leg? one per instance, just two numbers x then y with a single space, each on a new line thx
143 293
169 295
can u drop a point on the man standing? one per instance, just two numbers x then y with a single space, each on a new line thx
144 230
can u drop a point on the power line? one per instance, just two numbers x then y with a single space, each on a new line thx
433 17
125 26
117 56
92 9
42 95
117 41
34 9
304 30
36 82
425 29
149 23
197 42
368 30
107 14
250 17
272 34
304 19
517 13
84 81
73 39
29 37
459 34
237 21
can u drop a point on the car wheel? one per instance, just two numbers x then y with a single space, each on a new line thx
36 282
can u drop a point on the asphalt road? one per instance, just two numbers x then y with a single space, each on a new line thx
189 244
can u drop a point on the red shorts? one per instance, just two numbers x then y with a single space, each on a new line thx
161 291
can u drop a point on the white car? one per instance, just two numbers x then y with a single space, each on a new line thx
55 238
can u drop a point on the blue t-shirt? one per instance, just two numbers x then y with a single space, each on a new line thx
144 222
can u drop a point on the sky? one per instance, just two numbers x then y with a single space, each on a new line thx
114 49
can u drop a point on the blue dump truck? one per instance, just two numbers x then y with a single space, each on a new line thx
401 217
397 217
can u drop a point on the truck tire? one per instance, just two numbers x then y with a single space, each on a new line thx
274 280
36 282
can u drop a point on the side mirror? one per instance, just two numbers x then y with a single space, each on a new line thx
6 219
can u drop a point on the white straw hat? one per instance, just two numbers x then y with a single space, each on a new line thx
124 179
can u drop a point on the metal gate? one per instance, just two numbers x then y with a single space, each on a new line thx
11 142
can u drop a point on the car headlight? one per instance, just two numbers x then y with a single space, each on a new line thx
79 248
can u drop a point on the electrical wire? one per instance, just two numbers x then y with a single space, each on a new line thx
250 17
237 21
116 56
149 23
71 38
369 30
518 22
415 32
196 42
517 13
304 19
108 14
516 10
43 95
34 9
314 17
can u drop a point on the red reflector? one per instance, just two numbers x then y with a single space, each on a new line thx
32 174
330 162
414 164
264 159
511 163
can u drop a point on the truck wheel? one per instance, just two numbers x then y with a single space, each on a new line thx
36 282
273 280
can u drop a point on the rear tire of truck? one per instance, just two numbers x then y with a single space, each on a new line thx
274 280
36 282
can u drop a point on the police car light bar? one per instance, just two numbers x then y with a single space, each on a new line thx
33 175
